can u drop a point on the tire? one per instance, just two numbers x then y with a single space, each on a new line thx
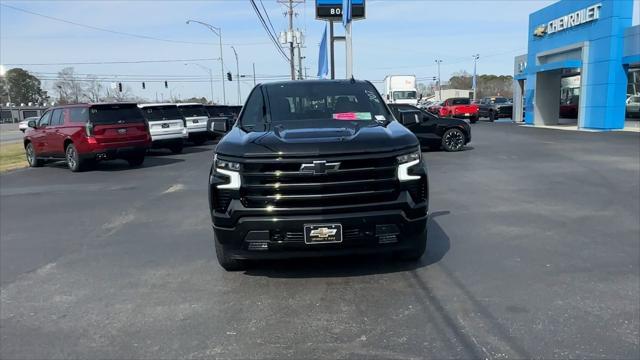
176 149
416 252
136 160
474 120
31 156
453 140
492 116
226 261
74 162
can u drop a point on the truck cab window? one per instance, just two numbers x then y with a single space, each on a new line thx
253 113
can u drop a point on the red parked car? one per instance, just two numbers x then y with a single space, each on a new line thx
85 133
460 108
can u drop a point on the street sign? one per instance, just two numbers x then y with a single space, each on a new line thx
332 10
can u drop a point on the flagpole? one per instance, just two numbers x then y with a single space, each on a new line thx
346 20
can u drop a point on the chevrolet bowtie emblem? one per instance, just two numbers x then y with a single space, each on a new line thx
323 232
540 31
319 167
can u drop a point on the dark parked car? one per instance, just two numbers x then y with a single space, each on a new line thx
85 133
432 131
317 167
495 108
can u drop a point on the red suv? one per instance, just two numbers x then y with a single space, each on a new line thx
85 133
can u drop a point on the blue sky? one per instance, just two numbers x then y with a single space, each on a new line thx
398 36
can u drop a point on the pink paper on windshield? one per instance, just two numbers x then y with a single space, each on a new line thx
345 116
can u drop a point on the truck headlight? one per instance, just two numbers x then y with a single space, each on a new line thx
230 169
405 162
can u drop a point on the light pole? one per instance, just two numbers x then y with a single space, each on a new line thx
237 72
439 81
475 81
218 32
210 77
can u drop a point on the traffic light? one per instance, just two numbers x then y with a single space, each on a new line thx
166 84
120 86
143 87
229 76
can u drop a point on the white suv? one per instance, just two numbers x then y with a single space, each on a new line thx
195 117
166 125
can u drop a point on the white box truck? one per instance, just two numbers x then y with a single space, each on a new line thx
401 89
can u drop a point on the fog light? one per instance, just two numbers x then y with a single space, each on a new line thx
258 246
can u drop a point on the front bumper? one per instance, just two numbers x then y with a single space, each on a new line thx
283 236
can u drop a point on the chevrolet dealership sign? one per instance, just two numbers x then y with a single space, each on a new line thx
579 17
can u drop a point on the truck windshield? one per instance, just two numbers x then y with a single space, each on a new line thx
157 113
403 95
342 102
460 102
193 110
116 114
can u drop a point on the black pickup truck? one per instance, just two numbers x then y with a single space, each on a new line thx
433 131
314 168
495 108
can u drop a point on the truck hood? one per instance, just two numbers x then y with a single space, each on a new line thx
316 141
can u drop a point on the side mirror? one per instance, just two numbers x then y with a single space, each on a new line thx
409 117
387 96
31 124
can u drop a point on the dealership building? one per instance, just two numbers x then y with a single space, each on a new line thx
583 62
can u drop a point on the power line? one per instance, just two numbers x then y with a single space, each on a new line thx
266 28
268 18
146 37
112 62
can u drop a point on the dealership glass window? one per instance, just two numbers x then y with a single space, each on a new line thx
5 115
29 113
633 81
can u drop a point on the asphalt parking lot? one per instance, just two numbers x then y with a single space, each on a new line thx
534 251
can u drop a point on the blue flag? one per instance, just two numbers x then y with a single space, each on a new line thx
323 58
346 12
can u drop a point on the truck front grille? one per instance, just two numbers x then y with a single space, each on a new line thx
282 184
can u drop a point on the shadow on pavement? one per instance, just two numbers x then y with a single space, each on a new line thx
186 150
348 266
121 165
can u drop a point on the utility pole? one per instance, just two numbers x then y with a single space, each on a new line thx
292 59
475 79
254 74
300 57
439 81
333 60
237 72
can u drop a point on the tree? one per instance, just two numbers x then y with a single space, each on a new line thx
21 87
93 89
68 86
200 100
461 80
120 96
487 85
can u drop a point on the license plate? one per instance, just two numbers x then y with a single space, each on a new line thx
322 233
195 121
466 114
